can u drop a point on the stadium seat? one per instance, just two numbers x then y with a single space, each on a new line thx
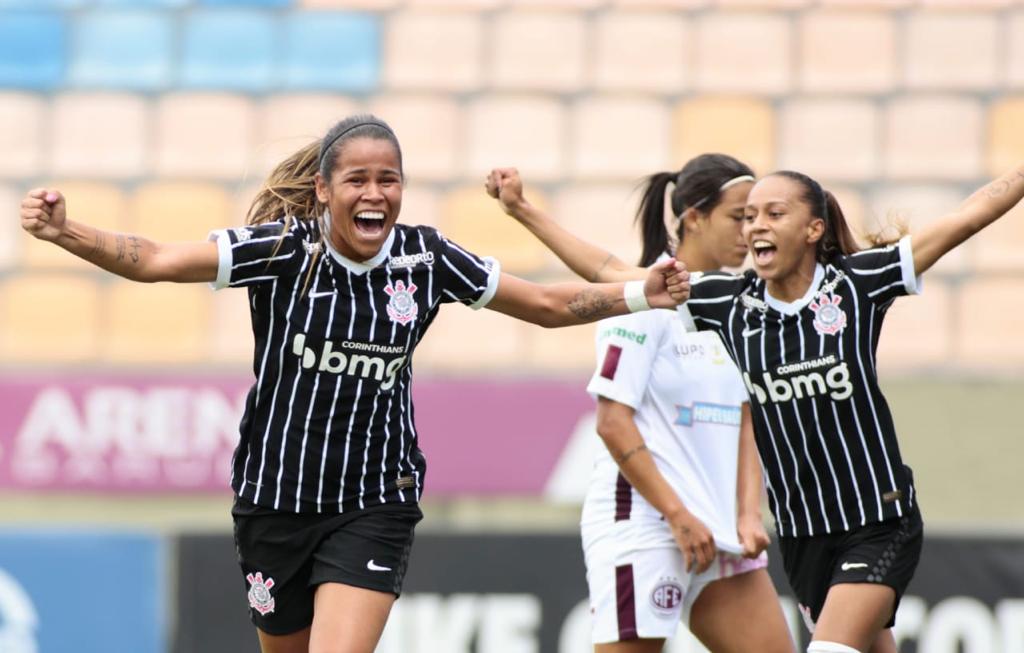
999 246
619 137
230 339
602 214
831 139
428 127
142 3
952 51
989 325
49 318
568 351
41 4
33 47
23 119
539 51
1005 136
335 51
852 202
204 135
421 205
728 69
290 121
155 323
642 51
462 340
916 206
917 334
661 4
123 49
524 131
245 3
180 211
12 238
230 49
744 128
933 137
455 42
100 135
474 221
375 5
100 205
1014 54
862 4
832 53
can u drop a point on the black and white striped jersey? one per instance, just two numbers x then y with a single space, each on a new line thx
328 425
824 431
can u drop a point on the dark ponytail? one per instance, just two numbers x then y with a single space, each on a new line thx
698 185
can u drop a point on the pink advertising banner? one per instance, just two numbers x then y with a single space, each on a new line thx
132 433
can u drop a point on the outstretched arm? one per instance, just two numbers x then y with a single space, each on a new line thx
566 304
44 215
981 209
585 259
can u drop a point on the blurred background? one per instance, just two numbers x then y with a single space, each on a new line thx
119 403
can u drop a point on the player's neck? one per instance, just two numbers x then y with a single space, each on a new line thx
694 256
794 285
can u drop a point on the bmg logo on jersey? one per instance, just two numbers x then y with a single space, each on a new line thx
338 362
810 378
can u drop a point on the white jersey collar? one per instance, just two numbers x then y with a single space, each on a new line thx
794 307
356 266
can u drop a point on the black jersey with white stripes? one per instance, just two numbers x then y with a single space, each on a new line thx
328 424
824 431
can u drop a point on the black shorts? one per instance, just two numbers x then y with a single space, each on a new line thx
884 553
284 557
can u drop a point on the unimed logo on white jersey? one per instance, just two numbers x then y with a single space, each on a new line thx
810 378
352 363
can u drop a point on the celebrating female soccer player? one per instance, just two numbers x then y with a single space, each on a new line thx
803 327
327 473
671 523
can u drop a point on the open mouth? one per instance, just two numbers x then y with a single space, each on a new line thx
370 223
764 252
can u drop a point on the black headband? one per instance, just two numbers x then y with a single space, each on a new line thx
364 123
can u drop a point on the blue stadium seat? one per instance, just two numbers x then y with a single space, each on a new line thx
246 3
141 3
336 51
33 46
230 49
123 49
41 4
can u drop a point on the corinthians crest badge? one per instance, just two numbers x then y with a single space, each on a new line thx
259 593
829 319
402 306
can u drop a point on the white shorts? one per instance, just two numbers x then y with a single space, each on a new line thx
645 593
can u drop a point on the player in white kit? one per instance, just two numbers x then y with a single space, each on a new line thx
671 524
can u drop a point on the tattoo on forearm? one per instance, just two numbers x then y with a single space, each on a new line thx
632 452
120 240
98 247
135 245
997 188
590 304
597 275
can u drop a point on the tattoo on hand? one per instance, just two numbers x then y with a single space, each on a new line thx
632 452
135 245
98 247
590 304
120 248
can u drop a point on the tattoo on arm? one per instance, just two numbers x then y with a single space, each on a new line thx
997 188
597 275
120 247
98 247
590 304
135 245
632 452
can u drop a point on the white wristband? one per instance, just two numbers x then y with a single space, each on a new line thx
636 300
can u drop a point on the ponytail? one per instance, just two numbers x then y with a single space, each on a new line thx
650 216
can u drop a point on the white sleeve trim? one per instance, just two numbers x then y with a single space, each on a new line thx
912 283
224 260
492 284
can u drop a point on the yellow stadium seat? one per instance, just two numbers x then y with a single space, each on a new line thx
475 221
230 339
989 325
916 335
155 323
49 318
462 340
605 148
729 69
952 51
998 247
916 206
811 140
603 215
539 51
933 137
455 41
523 131
180 211
568 350
832 53
103 135
100 205
288 122
742 127
204 135
642 51
1005 134
427 127
23 120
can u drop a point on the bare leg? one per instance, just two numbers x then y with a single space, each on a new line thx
632 646
884 643
741 614
855 614
348 619
291 643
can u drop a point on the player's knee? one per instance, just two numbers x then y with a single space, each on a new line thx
830 647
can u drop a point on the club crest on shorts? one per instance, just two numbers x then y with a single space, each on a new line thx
260 599
667 595
402 306
829 319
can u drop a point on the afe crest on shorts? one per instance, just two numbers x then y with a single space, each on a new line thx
259 593
829 319
667 595
402 306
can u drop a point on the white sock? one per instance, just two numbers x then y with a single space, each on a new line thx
829 647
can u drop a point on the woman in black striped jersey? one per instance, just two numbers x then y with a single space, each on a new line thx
327 474
803 326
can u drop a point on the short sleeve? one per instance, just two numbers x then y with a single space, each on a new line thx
257 253
466 277
885 273
626 350
711 298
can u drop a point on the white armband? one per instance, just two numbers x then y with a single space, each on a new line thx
636 300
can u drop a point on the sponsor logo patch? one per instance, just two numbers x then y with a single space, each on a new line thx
611 362
625 334
708 414
667 595
410 260
243 234
402 306
260 599
829 319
